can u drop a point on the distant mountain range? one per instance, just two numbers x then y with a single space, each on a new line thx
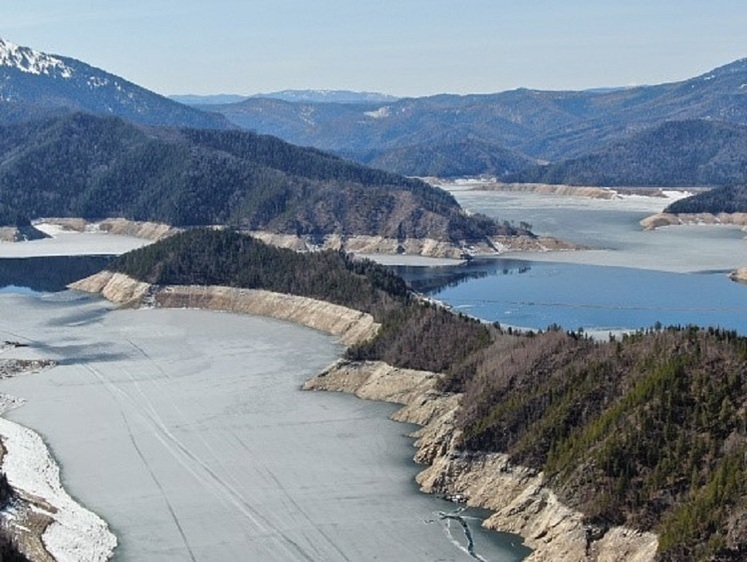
541 126
313 96
34 84
679 134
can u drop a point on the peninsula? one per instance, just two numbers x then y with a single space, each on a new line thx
603 442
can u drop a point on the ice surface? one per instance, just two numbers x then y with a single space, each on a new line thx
71 243
611 228
187 431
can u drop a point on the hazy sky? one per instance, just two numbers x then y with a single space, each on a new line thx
403 47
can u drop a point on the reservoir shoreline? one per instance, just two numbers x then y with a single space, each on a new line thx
517 497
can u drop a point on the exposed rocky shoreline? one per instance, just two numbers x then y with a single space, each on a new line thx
359 244
427 247
739 275
123 227
670 219
518 496
348 324
592 192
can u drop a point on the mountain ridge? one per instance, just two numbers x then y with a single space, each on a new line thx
541 125
34 82
94 167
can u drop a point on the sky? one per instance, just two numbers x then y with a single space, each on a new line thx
403 47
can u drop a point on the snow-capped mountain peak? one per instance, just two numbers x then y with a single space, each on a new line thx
31 61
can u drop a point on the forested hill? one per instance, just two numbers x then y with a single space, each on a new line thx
649 430
96 167
550 126
728 199
414 334
674 154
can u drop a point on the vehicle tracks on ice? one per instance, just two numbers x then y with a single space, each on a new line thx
159 486
193 463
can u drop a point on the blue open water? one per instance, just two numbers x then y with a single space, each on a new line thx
538 294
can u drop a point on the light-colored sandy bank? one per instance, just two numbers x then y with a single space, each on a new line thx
547 189
349 325
415 246
119 226
591 192
519 497
739 275
669 219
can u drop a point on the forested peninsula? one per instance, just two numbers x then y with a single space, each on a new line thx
725 205
93 167
648 430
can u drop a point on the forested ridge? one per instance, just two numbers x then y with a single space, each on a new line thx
414 334
567 128
97 167
648 430
673 154
727 199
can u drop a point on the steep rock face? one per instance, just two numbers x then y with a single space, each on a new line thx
350 325
517 495
115 287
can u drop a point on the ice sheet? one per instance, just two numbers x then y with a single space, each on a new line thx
187 432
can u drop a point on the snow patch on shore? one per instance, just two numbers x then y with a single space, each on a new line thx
76 534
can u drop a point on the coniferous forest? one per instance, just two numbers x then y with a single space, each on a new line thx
97 167
648 430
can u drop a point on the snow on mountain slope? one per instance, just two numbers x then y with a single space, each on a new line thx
31 61
42 82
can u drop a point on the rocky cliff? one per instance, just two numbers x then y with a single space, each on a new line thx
350 325
519 497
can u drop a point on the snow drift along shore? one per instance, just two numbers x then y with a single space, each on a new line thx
74 533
